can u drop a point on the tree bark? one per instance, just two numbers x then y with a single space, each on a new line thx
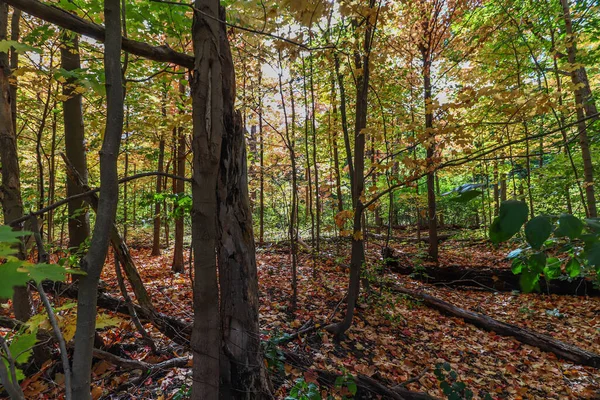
93 262
583 102
242 367
156 235
79 220
12 203
206 85
357 256
178 264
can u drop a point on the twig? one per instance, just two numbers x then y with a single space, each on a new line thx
124 363
96 190
412 380
43 257
242 28
10 382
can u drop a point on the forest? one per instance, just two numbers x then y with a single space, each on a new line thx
299 199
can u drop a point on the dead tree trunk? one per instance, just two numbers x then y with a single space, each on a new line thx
541 341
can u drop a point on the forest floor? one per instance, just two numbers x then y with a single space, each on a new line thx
394 338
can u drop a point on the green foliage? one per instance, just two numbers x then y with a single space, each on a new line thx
346 385
452 387
303 390
568 231
538 230
273 355
5 46
512 216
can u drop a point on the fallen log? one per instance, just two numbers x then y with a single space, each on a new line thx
367 387
175 329
498 279
543 342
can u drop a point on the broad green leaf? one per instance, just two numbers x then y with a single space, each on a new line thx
517 266
512 216
537 261
5 46
18 372
594 224
529 281
537 230
552 269
569 226
592 253
21 347
12 276
53 272
8 235
573 268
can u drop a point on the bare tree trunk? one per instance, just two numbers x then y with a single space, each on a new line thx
156 235
261 237
93 262
336 157
583 102
12 204
79 219
15 32
431 206
178 264
242 369
206 85
357 257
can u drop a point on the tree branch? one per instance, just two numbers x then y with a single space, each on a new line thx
64 19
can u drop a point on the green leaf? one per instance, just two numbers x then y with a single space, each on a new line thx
537 261
573 268
552 269
5 46
21 347
8 235
537 230
53 272
517 266
529 281
467 196
594 224
512 216
569 226
592 253
12 276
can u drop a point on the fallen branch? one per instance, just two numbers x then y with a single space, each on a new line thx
543 342
496 279
129 364
367 388
72 22
175 329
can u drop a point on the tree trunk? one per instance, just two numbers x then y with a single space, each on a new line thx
15 32
583 102
12 204
79 220
159 179
242 367
431 206
357 257
93 262
178 264
206 85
